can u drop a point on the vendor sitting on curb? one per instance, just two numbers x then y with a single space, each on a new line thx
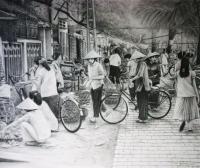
35 128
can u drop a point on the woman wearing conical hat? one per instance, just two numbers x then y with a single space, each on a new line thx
142 86
96 76
35 128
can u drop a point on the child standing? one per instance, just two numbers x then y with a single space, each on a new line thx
186 107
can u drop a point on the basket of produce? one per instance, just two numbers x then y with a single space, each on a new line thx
70 111
7 110
83 97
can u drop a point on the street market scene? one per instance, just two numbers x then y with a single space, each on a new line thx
99 83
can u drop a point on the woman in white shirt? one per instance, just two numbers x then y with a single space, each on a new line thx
46 111
96 75
115 63
45 84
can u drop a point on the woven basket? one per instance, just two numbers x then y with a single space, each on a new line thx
83 97
70 112
7 110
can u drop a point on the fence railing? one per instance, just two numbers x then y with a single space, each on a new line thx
13 60
19 57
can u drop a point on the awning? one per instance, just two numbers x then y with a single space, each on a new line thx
7 16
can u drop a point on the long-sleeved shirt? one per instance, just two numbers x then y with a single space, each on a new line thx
95 70
45 82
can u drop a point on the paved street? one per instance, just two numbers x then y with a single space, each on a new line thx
156 144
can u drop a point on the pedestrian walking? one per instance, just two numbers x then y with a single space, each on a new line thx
45 84
131 71
164 62
106 66
115 63
186 107
142 86
96 76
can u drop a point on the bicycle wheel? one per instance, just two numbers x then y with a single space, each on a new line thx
114 109
70 115
159 104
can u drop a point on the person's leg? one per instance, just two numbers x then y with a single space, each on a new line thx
28 133
97 101
132 93
182 126
112 72
53 102
142 99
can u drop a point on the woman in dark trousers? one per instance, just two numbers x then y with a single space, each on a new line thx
96 75
142 86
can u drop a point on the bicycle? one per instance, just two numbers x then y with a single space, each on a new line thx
117 107
70 113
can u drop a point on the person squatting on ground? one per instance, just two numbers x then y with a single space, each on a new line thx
46 111
115 63
186 107
131 70
34 126
96 76
142 86
45 83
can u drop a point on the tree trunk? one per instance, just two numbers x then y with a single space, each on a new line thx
198 50
172 34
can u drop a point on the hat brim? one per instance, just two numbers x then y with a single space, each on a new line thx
154 54
28 104
92 54
137 55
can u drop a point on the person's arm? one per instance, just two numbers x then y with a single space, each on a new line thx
37 81
18 121
195 86
139 74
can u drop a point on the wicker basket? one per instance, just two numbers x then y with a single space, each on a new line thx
7 110
70 112
83 97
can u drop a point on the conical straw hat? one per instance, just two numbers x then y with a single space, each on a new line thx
28 104
92 54
137 54
153 54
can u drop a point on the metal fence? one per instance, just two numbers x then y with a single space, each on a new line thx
13 60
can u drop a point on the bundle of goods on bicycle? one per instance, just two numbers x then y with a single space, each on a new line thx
83 97
110 88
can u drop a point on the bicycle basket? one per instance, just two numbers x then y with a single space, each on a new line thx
83 97
70 112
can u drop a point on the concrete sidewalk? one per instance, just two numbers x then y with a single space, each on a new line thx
156 144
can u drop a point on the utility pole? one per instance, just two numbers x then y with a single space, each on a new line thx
94 25
91 23
88 28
